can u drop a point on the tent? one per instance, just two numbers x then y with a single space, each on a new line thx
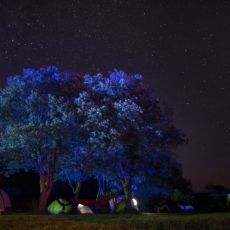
84 209
5 203
59 206
186 208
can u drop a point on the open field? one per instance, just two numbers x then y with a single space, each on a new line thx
220 221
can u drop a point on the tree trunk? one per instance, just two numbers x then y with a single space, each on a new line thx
77 189
100 189
44 195
46 184
128 194
47 175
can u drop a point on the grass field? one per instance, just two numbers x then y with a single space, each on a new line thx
220 221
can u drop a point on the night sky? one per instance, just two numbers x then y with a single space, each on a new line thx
181 47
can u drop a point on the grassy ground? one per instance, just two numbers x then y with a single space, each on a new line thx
218 221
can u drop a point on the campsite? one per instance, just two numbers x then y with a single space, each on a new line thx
67 159
114 114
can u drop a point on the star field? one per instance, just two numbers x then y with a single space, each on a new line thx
181 47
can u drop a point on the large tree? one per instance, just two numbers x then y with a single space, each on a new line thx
129 130
36 126
63 125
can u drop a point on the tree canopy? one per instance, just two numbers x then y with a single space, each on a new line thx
70 127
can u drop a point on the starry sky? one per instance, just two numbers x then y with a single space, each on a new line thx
181 47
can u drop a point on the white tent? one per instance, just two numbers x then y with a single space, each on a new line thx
5 202
84 209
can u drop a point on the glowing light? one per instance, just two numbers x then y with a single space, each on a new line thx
134 202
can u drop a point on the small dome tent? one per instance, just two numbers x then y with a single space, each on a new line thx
59 206
5 203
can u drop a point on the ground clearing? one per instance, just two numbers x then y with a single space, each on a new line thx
216 221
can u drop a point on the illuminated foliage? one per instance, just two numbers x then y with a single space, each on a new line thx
133 137
68 127
36 126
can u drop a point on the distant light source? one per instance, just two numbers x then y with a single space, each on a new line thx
80 206
134 202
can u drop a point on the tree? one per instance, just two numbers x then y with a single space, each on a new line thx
71 127
134 132
97 137
36 127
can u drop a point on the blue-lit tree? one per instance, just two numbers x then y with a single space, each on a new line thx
36 126
97 136
137 133
69 127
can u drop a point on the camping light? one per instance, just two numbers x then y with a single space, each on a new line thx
134 202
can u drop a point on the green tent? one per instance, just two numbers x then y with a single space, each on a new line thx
59 206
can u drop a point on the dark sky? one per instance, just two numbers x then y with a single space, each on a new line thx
181 47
